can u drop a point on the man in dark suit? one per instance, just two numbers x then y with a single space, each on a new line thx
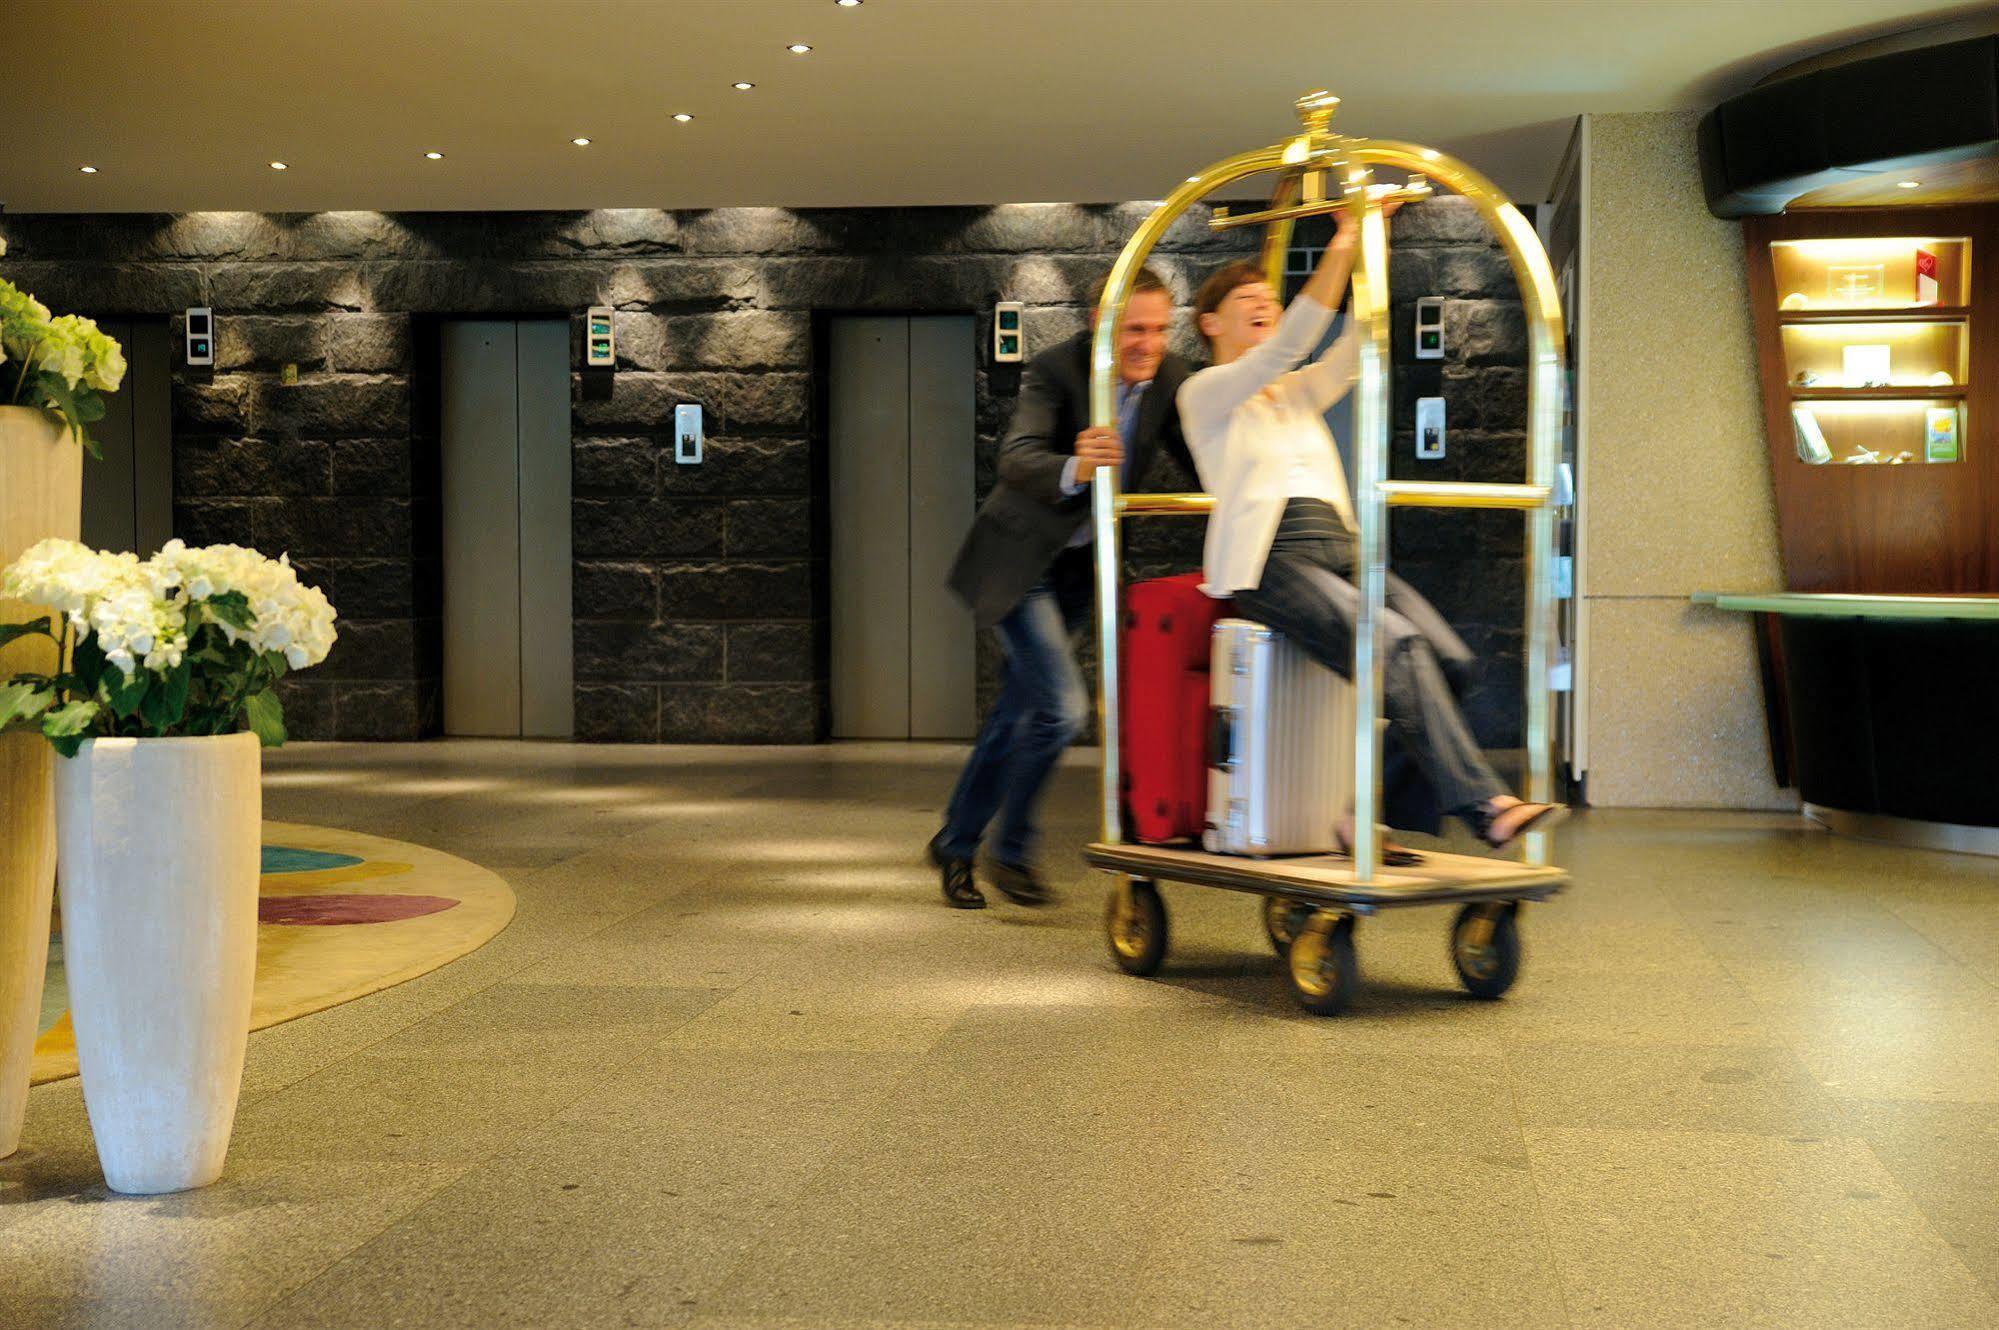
1026 570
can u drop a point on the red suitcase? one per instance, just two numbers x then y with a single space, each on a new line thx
1164 748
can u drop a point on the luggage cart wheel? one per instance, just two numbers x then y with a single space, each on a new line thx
1485 948
1321 962
1135 923
1281 920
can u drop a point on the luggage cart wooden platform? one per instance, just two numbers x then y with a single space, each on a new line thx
1311 903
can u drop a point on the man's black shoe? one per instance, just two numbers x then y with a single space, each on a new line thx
1021 884
959 891
934 851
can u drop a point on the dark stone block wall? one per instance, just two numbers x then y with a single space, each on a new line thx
700 592
1469 563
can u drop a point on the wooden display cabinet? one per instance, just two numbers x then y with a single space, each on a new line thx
1874 330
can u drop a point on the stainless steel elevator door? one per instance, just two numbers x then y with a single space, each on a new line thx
508 661
128 493
902 435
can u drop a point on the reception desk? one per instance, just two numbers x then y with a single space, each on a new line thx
1884 711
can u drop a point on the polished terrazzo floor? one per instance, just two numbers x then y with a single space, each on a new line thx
734 1065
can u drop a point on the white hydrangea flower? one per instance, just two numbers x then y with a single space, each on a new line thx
62 350
286 616
66 577
131 624
105 366
143 613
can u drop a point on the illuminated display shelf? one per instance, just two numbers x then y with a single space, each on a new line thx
1876 366
1880 394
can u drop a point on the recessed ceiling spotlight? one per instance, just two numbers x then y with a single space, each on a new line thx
682 117
434 155
799 48
848 4
1908 184
581 142
88 170
279 166
743 87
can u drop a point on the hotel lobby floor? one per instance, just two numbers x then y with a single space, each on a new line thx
734 1064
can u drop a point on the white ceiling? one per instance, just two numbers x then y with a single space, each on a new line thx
181 104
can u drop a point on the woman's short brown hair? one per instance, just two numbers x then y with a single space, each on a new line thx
1222 283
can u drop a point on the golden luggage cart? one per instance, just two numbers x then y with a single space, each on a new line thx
1311 903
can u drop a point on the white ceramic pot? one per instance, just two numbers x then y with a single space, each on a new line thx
41 495
159 846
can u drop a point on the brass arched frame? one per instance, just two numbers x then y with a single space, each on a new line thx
1351 161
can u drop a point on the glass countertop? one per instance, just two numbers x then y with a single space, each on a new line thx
1832 605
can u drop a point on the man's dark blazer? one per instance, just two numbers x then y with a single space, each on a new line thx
1026 522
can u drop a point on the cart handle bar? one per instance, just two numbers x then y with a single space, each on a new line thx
1397 493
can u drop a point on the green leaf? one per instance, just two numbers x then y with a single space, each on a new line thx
87 665
9 632
24 701
89 444
166 701
231 607
70 720
123 694
89 406
56 392
267 718
67 745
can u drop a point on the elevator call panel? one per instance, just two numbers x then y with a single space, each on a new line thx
1008 338
1430 328
600 350
201 337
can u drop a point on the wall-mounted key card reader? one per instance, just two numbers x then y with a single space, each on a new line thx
1429 428
687 434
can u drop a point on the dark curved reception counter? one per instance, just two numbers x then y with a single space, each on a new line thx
1884 711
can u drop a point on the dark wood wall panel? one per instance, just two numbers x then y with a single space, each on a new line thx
1912 529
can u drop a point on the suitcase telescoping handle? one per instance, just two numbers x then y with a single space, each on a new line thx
1221 737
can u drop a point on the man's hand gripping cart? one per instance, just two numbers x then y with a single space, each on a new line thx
1311 904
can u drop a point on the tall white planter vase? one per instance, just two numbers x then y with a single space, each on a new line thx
159 846
41 495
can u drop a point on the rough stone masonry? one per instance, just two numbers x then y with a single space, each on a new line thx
700 592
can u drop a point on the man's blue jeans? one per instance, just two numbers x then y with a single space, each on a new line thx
1042 706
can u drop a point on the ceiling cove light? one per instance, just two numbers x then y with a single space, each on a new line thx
581 142
682 117
279 166
88 170
799 48
743 87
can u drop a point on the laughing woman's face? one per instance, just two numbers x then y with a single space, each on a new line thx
1245 318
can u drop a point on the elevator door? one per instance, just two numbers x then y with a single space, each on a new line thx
505 443
128 494
902 439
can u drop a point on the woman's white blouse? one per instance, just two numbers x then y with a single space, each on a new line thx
1257 429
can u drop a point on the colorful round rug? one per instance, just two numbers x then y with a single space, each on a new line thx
339 916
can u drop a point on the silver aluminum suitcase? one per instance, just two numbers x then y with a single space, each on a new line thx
1281 747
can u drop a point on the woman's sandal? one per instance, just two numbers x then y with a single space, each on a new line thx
1392 855
1483 820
